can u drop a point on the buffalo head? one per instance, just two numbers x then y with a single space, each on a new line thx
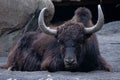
71 36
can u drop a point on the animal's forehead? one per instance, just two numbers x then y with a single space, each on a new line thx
72 28
71 31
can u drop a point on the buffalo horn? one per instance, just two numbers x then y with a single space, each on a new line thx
99 23
42 25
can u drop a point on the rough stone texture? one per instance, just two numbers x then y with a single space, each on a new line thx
14 15
8 41
109 43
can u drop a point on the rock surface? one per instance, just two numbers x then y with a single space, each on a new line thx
14 15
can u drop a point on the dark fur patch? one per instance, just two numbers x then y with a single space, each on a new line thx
26 59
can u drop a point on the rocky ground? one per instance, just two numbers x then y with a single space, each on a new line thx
109 42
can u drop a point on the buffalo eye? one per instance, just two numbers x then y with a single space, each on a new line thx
62 46
60 42
81 38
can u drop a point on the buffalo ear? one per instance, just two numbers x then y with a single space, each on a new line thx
56 36
58 31
87 36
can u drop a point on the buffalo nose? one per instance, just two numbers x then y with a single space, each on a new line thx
69 61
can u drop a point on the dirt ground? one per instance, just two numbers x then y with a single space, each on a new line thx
109 43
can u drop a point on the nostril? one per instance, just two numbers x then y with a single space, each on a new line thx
72 60
69 61
66 60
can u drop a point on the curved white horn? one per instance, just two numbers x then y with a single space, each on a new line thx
99 23
42 24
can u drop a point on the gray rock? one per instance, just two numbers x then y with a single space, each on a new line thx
15 14
8 41
110 28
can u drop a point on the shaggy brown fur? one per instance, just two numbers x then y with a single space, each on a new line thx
39 51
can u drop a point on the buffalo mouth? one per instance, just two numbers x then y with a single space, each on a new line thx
70 66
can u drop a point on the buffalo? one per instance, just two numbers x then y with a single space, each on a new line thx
72 46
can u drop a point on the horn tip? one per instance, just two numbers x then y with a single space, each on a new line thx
99 6
45 8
